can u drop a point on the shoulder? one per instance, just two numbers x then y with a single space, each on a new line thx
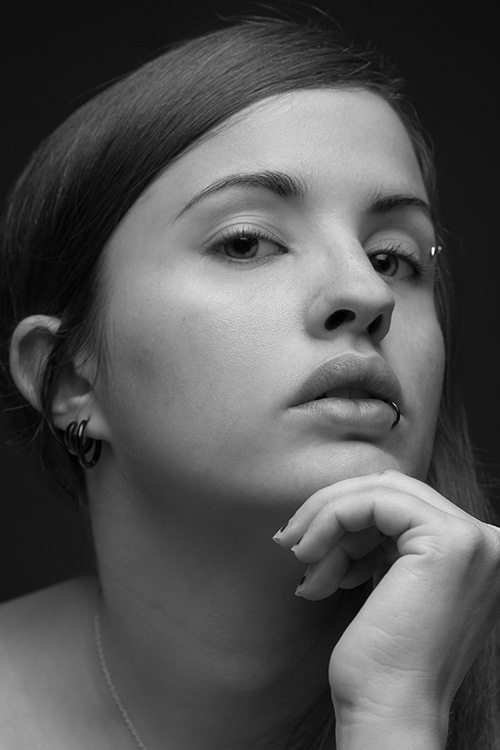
32 625
44 642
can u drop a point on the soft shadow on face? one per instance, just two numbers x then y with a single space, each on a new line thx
219 287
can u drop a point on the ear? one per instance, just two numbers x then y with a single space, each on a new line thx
75 397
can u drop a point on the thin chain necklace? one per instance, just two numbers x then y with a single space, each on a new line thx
109 681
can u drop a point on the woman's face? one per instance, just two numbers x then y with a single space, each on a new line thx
294 238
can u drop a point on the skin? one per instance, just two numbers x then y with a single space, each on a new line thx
200 373
204 456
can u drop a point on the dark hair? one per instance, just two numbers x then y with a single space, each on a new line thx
84 178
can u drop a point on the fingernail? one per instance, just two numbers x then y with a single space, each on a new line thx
296 544
301 586
278 534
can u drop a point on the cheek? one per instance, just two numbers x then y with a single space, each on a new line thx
195 370
421 363
416 341
187 332
425 371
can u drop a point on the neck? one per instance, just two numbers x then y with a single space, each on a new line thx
205 640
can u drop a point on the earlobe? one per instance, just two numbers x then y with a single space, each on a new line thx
31 345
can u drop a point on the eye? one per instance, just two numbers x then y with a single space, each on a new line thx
246 244
396 262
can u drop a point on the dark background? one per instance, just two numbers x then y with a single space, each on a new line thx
55 56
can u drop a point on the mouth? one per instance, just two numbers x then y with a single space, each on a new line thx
352 377
352 394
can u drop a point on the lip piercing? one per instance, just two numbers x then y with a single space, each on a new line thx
397 412
435 250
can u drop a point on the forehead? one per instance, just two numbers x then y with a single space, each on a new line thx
336 141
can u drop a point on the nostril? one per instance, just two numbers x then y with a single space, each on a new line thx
375 325
338 317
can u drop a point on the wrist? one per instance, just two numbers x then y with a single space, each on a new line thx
385 727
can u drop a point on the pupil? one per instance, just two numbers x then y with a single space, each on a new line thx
385 263
243 246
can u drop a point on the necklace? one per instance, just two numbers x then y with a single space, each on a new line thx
111 685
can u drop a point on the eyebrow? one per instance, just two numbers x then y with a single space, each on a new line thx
283 185
291 188
384 204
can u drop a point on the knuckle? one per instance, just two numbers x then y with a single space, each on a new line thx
469 535
493 537
477 542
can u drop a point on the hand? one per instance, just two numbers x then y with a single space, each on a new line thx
400 662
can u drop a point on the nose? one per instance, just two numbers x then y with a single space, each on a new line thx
351 296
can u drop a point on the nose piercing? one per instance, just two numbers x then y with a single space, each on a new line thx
397 412
435 250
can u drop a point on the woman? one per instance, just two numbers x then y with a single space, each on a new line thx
228 303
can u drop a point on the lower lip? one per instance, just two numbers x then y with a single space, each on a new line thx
353 417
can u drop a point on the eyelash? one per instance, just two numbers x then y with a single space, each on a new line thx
230 235
395 249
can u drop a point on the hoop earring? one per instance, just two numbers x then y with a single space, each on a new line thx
78 445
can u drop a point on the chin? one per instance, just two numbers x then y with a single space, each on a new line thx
358 461
301 476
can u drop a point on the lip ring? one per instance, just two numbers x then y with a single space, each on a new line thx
397 412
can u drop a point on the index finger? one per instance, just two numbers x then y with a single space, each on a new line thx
390 479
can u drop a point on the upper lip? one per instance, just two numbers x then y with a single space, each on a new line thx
371 374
